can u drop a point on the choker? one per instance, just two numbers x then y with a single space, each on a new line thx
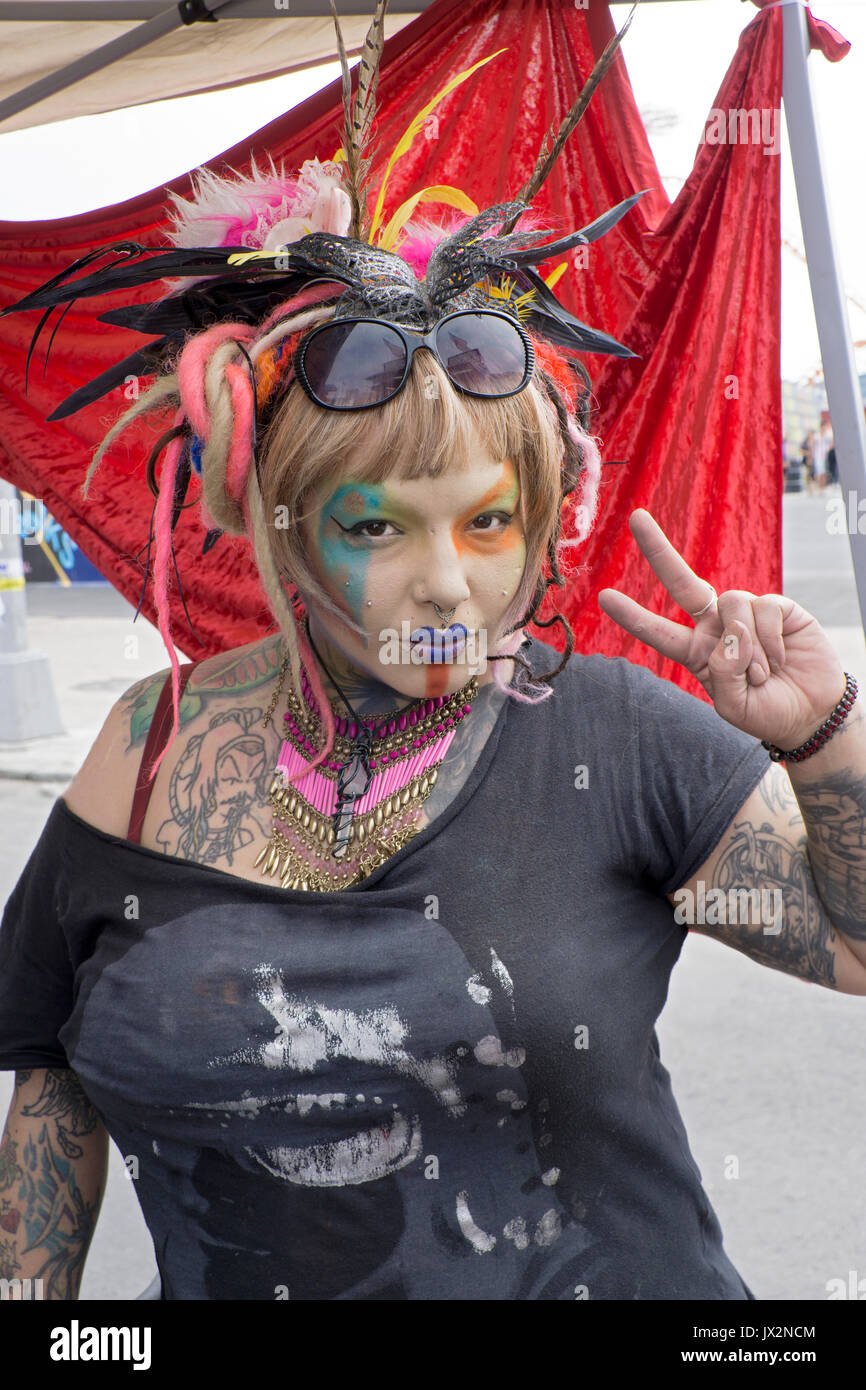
333 826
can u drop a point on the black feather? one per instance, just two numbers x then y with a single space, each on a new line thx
555 322
596 229
144 362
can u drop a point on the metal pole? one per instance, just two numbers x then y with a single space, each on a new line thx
828 296
99 58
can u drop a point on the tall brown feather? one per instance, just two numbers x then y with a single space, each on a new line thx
358 116
365 103
351 180
547 157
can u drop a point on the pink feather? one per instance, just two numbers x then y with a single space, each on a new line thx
240 210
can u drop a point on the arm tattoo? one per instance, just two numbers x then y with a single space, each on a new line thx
760 861
63 1099
41 1205
56 1217
835 812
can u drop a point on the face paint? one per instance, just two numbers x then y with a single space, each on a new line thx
429 551
345 559
502 497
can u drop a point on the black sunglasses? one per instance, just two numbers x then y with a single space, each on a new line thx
353 364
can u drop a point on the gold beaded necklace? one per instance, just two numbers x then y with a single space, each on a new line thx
364 803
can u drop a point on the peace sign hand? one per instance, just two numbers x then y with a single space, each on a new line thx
765 662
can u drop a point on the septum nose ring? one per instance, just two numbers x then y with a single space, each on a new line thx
445 618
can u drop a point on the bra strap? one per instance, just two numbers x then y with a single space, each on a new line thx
157 737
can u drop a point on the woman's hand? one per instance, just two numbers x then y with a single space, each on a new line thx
766 663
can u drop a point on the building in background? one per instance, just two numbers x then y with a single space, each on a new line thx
48 552
802 403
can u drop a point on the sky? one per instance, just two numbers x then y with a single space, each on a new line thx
676 54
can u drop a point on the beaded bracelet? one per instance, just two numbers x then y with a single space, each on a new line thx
821 735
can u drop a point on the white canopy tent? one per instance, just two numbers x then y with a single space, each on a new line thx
64 58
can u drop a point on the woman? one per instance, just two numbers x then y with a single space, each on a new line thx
807 449
360 969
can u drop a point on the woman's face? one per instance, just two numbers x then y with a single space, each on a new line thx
387 552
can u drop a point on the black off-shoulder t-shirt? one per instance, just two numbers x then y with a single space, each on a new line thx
443 1083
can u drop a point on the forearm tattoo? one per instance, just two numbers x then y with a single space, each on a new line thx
41 1206
835 812
774 869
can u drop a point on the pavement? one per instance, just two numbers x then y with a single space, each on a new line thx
767 1070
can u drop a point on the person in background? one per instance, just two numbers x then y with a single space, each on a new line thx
821 447
806 457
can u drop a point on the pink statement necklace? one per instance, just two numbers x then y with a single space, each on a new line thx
334 825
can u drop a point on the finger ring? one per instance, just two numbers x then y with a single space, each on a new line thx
706 606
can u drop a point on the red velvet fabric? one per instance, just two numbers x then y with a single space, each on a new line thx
821 34
697 417
693 287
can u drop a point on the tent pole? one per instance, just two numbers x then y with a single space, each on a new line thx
828 296
99 58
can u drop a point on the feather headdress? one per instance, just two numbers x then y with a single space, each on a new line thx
244 245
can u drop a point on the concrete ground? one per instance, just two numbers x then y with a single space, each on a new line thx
768 1071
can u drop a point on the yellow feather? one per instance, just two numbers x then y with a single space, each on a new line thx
500 291
436 193
241 257
523 304
556 275
407 138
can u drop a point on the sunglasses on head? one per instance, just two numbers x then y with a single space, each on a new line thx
353 364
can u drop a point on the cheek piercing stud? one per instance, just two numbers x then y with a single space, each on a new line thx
369 603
